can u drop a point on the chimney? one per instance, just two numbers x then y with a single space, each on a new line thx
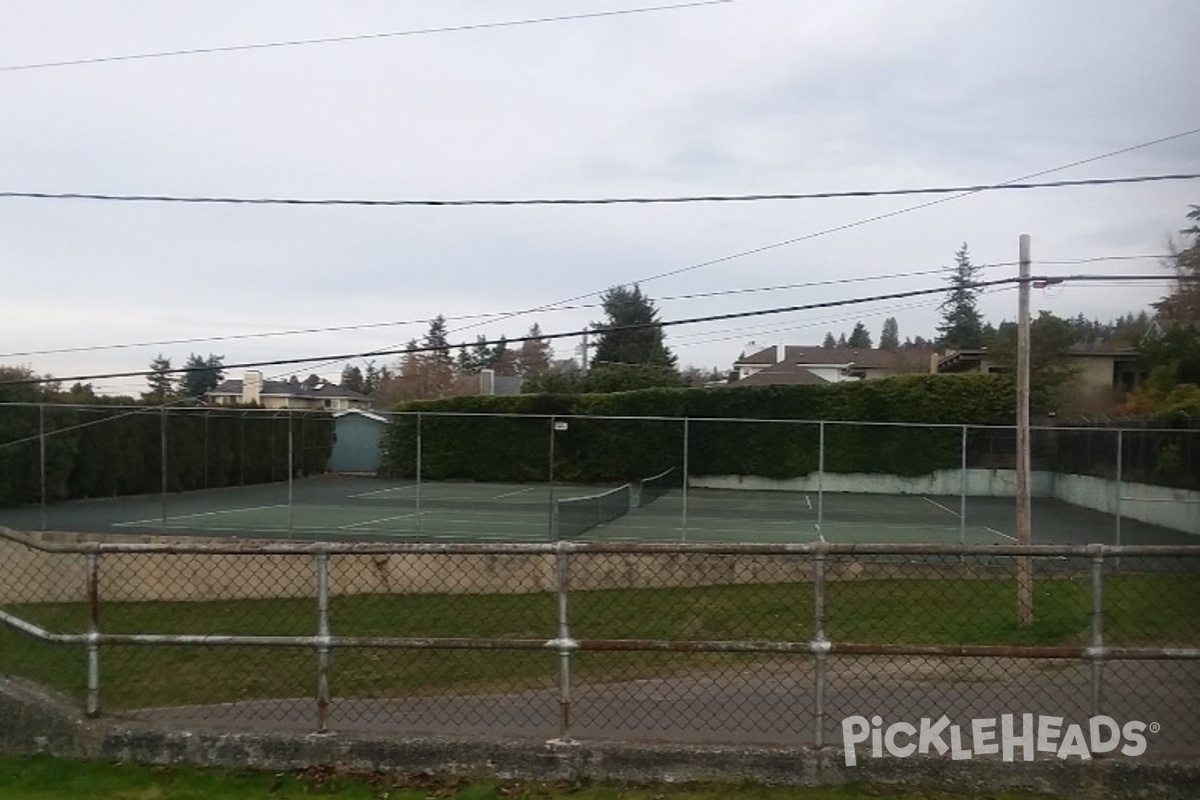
487 381
780 353
252 387
933 361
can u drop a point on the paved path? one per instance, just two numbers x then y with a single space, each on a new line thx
760 705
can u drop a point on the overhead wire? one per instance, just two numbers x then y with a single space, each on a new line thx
871 219
1057 279
590 201
358 37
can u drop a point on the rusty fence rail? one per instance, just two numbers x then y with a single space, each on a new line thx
573 640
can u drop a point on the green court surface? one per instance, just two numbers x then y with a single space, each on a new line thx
370 509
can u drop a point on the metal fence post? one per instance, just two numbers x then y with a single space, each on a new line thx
1096 651
323 638
551 508
821 480
962 492
686 455
162 413
819 647
417 515
92 568
1119 490
42 456
291 471
564 643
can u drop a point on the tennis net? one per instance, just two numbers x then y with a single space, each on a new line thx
576 516
655 487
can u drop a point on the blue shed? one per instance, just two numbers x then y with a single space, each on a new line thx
357 438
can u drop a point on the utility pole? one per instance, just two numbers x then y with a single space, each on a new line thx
1024 563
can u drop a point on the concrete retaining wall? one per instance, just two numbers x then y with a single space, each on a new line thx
946 482
1176 509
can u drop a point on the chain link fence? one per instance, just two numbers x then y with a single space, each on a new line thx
568 641
1112 480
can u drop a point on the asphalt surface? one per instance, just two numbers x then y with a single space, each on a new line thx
769 704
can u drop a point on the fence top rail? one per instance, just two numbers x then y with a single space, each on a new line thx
264 547
1130 426
219 410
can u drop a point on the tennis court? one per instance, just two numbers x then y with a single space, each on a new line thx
373 509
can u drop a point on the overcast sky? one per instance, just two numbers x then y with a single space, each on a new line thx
766 96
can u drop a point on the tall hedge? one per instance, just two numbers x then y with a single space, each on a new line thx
107 451
733 431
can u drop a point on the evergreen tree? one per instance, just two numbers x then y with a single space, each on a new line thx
476 357
642 345
829 342
962 325
203 374
504 359
889 337
437 365
841 342
535 354
859 338
372 378
1182 306
352 379
162 386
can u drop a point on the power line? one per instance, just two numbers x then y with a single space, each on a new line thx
499 315
590 201
358 37
1048 280
869 220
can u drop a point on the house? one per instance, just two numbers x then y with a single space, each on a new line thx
799 364
1096 368
356 445
308 395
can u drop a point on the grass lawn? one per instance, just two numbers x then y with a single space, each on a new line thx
1140 608
43 778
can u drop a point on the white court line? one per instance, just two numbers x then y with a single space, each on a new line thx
939 505
158 520
385 491
381 519
998 533
808 500
518 491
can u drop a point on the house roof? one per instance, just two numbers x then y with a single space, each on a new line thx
358 412
815 355
289 389
785 373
